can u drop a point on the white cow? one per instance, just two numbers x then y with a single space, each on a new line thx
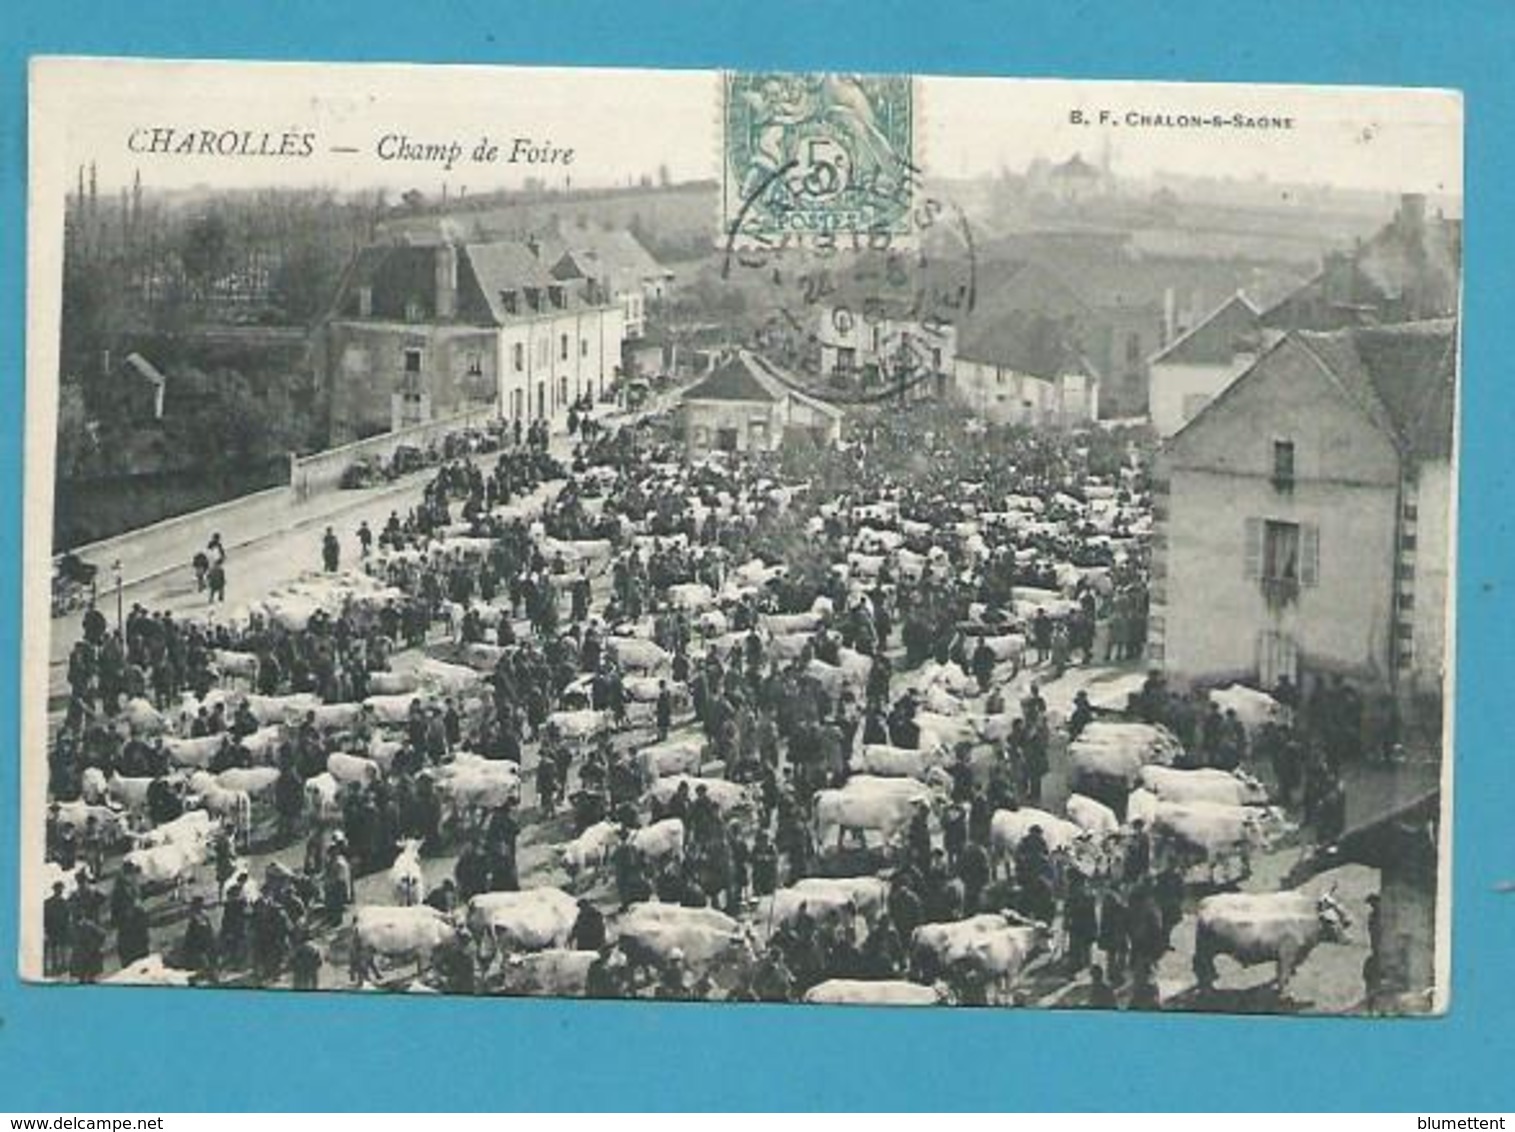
151 971
871 992
994 946
1252 707
576 726
730 798
392 710
1217 837
785 624
1008 828
256 781
76 815
144 720
347 768
230 805
660 842
193 753
693 596
471 786
1091 816
637 655
678 755
703 936
323 797
193 827
556 972
900 762
530 920
282 709
394 933
407 880
1266 927
240 665
448 679
868 804
337 717
1205 784
590 850
171 865
853 906
392 683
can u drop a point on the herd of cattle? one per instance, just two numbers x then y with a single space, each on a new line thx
1126 779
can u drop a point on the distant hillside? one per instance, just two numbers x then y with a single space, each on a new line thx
675 223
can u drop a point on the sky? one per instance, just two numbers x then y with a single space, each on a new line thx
625 124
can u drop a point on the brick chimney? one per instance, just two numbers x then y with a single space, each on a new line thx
1336 278
1412 213
447 280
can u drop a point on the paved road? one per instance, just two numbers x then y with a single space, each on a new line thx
275 557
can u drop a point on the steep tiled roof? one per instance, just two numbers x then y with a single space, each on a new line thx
1218 337
613 254
1409 371
1402 377
506 266
740 376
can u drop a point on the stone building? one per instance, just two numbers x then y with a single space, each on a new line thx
1304 517
419 333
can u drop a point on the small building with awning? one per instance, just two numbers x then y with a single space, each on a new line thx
747 404
1402 844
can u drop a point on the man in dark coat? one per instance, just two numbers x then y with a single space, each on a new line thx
57 930
1081 917
588 932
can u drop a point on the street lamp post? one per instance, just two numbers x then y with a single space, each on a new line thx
115 569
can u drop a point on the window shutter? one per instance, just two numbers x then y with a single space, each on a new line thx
1309 554
1253 550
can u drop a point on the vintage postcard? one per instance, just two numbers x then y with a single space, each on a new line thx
813 538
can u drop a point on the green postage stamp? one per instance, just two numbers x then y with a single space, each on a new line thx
817 155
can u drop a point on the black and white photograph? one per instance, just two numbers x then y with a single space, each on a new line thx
734 537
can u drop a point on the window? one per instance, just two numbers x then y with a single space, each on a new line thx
563 347
1133 348
533 298
1407 542
556 296
413 310
1283 465
518 357
1412 512
936 357
412 361
508 300
1406 602
583 347
1284 557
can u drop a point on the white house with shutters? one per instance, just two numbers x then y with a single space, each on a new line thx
1303 516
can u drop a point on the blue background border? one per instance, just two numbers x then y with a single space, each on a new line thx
141 1050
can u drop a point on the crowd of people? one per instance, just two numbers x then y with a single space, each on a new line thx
537 572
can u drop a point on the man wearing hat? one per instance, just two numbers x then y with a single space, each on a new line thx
57 929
